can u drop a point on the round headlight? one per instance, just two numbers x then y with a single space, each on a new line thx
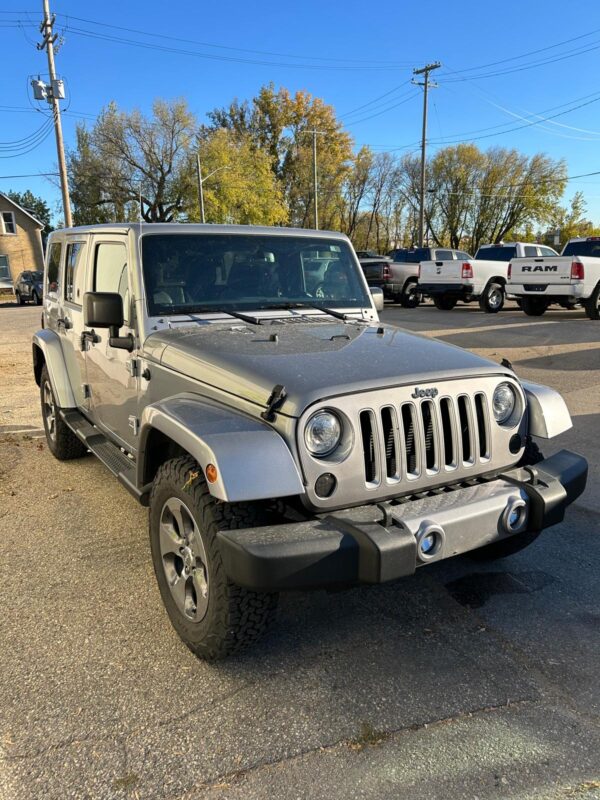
504 402
322 433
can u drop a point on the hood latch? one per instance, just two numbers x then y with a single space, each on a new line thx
275 400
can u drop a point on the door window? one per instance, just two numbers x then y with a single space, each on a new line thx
53 274
546 252
110 272
530 251
74 272
444 255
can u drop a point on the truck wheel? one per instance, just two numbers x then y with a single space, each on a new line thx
444 302
410 297
213 616
19 298
592 304
62 442
534 306
35 298
492 298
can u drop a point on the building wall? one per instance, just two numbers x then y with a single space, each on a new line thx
24 250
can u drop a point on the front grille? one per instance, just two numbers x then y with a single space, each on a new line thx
427 438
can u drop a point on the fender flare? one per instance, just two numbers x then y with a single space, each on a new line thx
548 412
253 461
47 343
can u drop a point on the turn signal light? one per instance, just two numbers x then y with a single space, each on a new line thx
509 271
577 271
467 270
211 473
387 272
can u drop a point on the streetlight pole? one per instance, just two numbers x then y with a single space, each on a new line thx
200 191
425 84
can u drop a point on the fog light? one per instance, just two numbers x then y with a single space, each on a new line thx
430 539
325 485
515 444
514 516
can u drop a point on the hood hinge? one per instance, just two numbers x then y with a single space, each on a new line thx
275 400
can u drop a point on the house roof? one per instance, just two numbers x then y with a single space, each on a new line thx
21 209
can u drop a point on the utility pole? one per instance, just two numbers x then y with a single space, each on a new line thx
56 93
425 84
200 190
315 180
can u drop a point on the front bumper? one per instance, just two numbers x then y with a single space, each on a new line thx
374 544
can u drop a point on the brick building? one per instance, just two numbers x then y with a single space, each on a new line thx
20 240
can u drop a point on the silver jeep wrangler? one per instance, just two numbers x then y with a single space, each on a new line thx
237 381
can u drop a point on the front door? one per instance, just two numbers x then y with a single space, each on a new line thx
111 373
70 317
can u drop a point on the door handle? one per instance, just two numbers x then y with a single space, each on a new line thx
439 263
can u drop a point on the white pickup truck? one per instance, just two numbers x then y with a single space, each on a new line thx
568 279
481 278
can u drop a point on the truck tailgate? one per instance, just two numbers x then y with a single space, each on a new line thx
532 272
373 271
441 272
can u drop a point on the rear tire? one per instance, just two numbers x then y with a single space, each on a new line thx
592 304
35 298
20 299
534 306
213 616
492 298
410 297
445 302
62 442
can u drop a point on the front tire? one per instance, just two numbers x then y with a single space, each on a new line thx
62 442
492 298
445 302
534 306
35 298
592 304
20 299
410 297
213 616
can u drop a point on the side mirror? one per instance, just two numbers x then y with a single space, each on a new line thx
377 295
105 310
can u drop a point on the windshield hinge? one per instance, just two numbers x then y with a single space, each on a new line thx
275 400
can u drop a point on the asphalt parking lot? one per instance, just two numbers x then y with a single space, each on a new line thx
464 681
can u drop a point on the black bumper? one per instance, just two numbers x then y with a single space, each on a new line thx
373 544
447 289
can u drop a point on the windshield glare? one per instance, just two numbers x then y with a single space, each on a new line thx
187 272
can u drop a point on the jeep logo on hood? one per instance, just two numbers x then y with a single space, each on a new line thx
424 392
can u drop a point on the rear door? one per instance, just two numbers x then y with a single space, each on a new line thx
70 319
111 372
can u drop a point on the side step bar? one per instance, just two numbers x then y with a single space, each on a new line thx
121 466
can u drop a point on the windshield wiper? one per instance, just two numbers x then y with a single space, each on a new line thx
291 306
212 310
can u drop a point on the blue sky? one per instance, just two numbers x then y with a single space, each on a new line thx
348 53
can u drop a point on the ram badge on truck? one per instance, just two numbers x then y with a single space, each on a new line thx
237 381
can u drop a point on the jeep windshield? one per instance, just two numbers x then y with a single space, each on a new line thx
186 273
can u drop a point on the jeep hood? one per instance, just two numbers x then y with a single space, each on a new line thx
312 360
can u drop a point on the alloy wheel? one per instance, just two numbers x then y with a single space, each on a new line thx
184 559
49 411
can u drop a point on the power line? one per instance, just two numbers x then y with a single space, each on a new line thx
375 100
410 96
29 175
227 47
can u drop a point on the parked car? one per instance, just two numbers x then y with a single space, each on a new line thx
6 284
281 441
364 254
568 279
481 278
29 287
398 277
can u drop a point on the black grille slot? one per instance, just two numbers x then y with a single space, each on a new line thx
480 411
388 419
446 417
367 428
429 431
410 444
465 431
